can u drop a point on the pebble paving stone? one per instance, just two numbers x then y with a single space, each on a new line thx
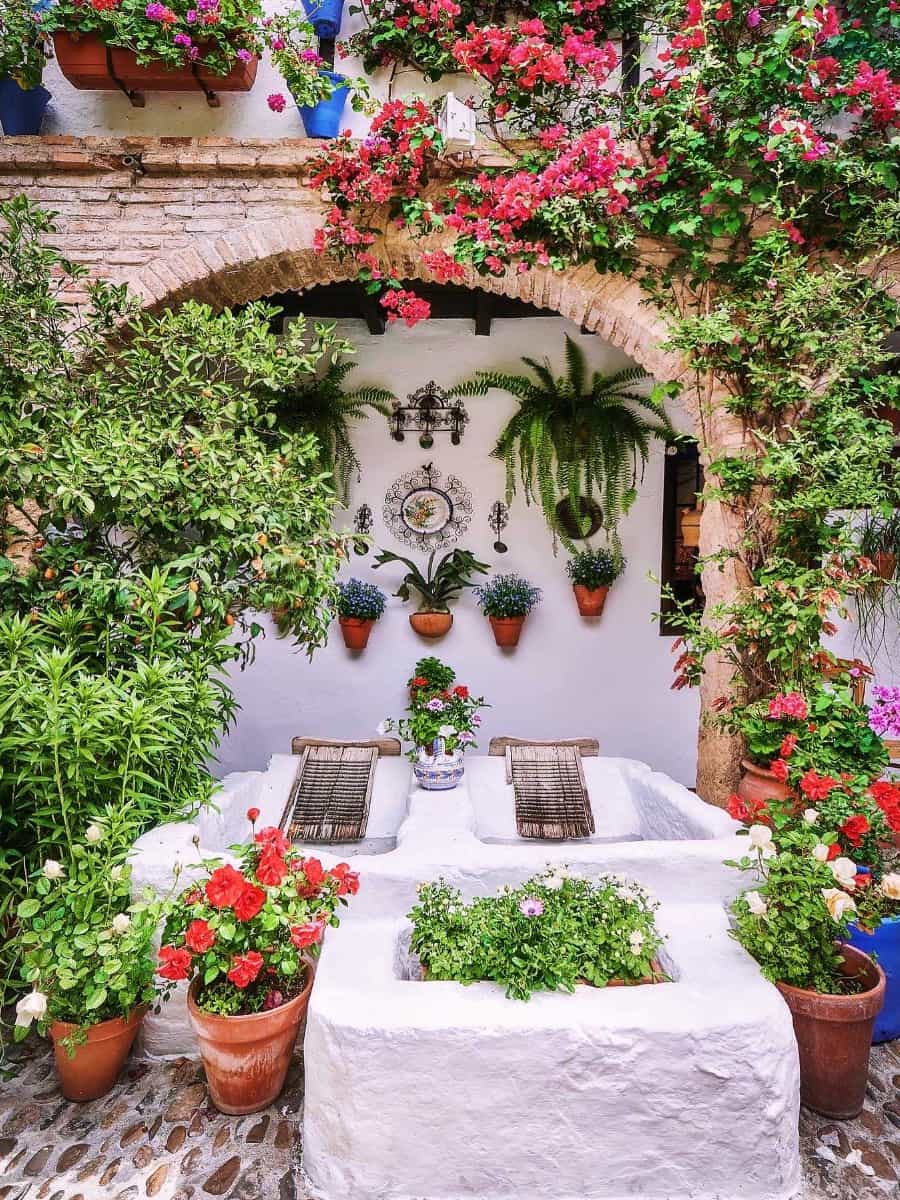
157 1136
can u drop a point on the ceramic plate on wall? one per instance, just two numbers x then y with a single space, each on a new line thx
425 511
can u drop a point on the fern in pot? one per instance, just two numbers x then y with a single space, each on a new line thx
506 600
360 605
437 586
593 572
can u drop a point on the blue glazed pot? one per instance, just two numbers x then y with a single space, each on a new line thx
323 120
325 16
21 110
884 945
440 771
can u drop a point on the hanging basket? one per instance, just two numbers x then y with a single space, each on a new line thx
91 65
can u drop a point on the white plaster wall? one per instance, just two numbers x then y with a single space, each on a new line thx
610 678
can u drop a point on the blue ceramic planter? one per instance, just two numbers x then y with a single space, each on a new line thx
325 16
884 945
21 111
323 120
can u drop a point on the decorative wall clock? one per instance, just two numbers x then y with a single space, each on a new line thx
426 511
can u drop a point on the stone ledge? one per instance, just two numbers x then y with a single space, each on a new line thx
158 155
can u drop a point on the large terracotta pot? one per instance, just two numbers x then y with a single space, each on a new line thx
246 1059
356 632
93 1069
83 61
590 601
758 785
431 624
507 630
834 1034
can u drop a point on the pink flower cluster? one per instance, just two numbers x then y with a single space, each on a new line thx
406 306
522 57
870 92
884 715
788 704
787 130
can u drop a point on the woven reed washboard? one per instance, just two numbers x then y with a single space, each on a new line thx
329 801
552 801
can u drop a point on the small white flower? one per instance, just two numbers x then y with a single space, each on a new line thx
93 833
447 731
115 873
844 871
636 941
756 904
121 923
383 727
890 886
761 840
32 1007
820 852
554 881
810 816
838 903
53 869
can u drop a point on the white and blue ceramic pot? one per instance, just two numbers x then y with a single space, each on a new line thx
440 771
884 945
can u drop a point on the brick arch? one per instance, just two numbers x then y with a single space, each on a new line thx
259 259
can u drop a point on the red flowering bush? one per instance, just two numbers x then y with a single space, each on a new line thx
243 931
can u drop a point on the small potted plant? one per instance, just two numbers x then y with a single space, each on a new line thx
319 93
23 52
880 544
506 600
244 936
794 922
437 586
441 725
593 572
87 954
359 606
513 939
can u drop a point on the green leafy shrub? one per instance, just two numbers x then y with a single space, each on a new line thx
507 596
363 601
553 932
595 568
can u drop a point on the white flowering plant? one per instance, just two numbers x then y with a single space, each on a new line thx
556 930
86 948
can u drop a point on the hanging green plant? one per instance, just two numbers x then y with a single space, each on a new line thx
576 439
323 408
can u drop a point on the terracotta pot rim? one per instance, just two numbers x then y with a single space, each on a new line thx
58 1030
832 1006
753 769
357 620
248 1020
508 620
601 587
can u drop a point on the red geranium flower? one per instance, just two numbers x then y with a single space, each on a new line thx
249 902
270 836
834 851
887 797
462 692
252 815
817 787
788 746
737 809
307 934
854 829
271 868
314 873
347 880
245 968
176 964
224 886
779 769
419 682
199 937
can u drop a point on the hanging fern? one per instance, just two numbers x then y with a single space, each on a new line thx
578 437
321 407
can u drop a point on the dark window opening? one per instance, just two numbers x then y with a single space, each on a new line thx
682 484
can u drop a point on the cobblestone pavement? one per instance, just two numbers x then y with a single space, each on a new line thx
157 1135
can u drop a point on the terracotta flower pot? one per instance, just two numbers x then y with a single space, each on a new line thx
507 630
356 632
885 564
590 601
759 785
834 1034
83 61
431 624
93 1069
246 1059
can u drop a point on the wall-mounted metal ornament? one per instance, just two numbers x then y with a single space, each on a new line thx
498 519
428 411
363 524
426 511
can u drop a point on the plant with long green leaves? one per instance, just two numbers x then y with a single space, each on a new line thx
320 406
576 436
438 584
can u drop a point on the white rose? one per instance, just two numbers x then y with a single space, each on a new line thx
761 840
121 923
756 904
890 886
53 869
93 833
838 902
32 1007
636 941
810 816
844 871
820 852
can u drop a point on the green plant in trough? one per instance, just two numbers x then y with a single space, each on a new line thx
438 584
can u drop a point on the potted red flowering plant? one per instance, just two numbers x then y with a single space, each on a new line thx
246 937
